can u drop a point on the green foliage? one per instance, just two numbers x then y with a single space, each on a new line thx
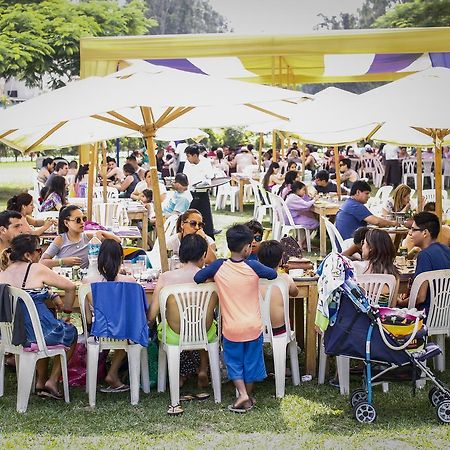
214 140
185 17
233 137
419 13
40 38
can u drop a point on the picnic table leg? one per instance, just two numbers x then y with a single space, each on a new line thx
311 336
241 195
144 234
323 236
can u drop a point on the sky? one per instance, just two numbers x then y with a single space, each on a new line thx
279 16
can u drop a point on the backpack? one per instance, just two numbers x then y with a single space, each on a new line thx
291 249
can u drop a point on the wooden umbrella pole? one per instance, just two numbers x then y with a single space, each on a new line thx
338 173
281 135
90 193
303 156
261 140
419 179
274 145
149 135
104 172
438 173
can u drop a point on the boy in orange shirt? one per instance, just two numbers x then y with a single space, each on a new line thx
237 282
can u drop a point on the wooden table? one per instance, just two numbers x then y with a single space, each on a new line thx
241 180
304 327
324 209
138 212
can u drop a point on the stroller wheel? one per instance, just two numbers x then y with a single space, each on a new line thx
443 411
358 396
364 412
436 396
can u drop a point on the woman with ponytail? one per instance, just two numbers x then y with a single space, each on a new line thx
23 203
24 271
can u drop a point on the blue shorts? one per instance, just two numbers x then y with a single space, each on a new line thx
245 360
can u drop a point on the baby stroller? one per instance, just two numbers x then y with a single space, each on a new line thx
361 331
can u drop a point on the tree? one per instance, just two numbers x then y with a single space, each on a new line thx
419 13
185 17
43 37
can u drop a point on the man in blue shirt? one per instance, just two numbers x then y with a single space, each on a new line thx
432 256
354 214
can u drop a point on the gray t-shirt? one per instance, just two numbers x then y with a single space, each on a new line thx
68 248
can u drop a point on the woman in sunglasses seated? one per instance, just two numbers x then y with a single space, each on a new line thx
25 272
189 223
70 248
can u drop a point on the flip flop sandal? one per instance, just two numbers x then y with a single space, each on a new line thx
202 396
47 393
237 409
121 388
176 410
187 398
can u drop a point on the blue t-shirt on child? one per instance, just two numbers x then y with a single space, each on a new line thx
435 257
350 217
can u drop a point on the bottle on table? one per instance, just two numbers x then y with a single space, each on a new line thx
93 251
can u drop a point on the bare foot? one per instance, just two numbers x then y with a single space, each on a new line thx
202 380
53 388
243 401
113 382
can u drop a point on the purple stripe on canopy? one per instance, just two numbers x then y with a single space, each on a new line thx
440 59
392 62
180 64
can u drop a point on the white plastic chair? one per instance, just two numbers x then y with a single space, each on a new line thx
368 168
335 235
438 321
223 192
430 195
170 228
379 173
409 170
192 301
137 357
281 215
276 189
427 166
111 193
262 205
446 172
107 214
375 203
26 360
280 342
373 284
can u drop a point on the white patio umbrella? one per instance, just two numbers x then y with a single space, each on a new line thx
141 100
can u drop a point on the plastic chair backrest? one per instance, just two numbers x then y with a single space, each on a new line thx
383 193
105 213
374 284
170 226
409 166
334 235
255 188
277 206
430 195
17 294
276 189
426 167
264 195
265 300
446 164
111 192
83 291
438 321
192 301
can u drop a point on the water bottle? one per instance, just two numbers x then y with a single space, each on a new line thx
93 251
174 262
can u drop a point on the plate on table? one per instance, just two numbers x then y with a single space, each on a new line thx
306 278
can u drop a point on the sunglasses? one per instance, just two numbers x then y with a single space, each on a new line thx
78 219
194 223
39 250
257 238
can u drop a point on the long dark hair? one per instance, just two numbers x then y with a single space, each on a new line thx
57 185
21 244
289 178
82 171
64 214
296 186
110 259
269 172
381 252
184 217
16 202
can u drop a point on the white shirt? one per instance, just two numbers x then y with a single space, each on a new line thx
390 151
180 151
195 173
142 186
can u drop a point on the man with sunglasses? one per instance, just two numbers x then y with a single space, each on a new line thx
433 255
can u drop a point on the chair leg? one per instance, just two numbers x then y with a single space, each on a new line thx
279 362
343 366
65 376
93 350
145 377
293 358
134 368
162 369
173 359
214 367
322 362
25 380
439 361
2 372
308 240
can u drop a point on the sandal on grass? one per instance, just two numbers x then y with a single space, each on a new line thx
121 388
49 393
176 410
187 397
237 409
202 396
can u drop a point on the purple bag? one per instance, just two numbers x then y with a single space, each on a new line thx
93 226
